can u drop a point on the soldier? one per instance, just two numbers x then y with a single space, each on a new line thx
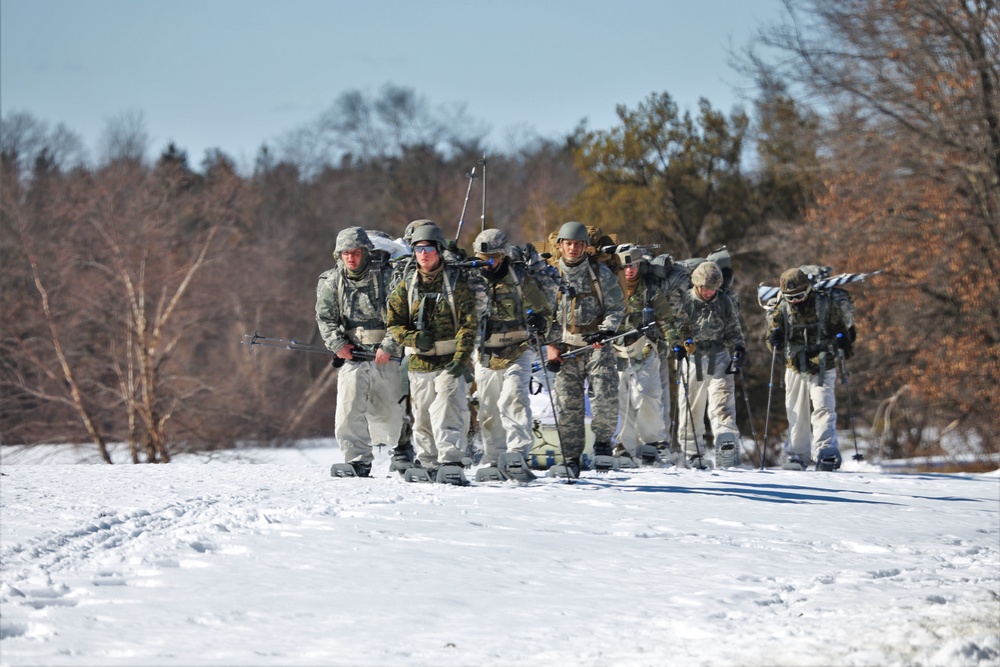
433 313
518 310
590 309
716 343
812 330
640 396
351 314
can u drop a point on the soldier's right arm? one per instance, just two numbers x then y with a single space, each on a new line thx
328 315
398 317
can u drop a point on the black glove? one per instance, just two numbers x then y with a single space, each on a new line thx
776 338
553 366
598 336
455 369
337 362
536 322
844 343
739 357
679 352
424 341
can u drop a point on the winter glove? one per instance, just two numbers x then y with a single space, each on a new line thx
455 369
553 366
844 343
536 322
337 362
776 339
739 357
680 353
424 341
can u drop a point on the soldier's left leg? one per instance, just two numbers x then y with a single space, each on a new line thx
515 404
823 418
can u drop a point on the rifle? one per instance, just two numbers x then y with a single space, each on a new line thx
604 341
267 341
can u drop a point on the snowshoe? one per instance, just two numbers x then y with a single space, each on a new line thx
451 473
794 462
604 459
416 474
513 466
649 455
828 459
342 470
727 450
489 474
402 459
567 470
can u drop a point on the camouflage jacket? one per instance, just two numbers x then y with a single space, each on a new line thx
592 300
449 315
715 324
353 310
667 312
810 347
510 298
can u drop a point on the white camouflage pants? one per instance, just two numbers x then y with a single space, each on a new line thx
368 408
715 393
505 407
812 413
439 404
640 404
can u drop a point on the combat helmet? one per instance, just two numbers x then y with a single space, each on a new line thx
707 275
795 285
573 231
428 232
352 238
629 254
491 242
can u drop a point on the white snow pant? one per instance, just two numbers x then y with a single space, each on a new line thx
368 408
715 392
439 404
668 420
505 407
815 427
640 404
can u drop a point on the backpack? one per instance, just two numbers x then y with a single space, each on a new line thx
528 262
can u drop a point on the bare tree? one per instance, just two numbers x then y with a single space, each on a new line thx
124 139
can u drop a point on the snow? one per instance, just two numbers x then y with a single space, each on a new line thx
259 557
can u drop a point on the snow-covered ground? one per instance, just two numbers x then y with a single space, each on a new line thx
264 559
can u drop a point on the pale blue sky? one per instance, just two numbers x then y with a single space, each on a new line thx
234 74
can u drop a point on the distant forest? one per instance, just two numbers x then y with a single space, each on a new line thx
129 282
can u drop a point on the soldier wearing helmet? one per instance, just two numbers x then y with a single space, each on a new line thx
716 344
432 312
590 309
351 315
812 331
642 431
518 310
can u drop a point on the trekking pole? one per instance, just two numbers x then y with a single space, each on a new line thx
483 162
850 408
552 402
746 397
767 414
687 399
461 220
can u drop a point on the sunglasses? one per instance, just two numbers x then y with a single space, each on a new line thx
424 248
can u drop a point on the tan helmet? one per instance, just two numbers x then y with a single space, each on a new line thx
491 242
573 231
707 275
795 285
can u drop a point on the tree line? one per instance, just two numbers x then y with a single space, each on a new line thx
127 285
